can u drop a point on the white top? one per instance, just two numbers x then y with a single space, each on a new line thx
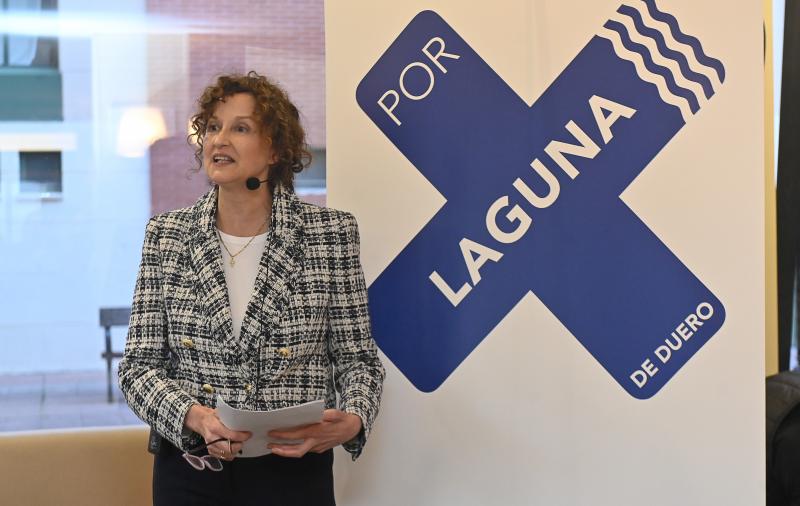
241 277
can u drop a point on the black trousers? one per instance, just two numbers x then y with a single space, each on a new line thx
263 481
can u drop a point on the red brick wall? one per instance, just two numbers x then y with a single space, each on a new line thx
280 38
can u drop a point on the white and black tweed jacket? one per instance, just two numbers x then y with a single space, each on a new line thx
306 331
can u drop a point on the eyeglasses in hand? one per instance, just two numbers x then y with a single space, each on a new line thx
201 462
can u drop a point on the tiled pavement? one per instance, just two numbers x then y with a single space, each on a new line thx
60 400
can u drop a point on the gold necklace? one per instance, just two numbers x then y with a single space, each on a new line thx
234 255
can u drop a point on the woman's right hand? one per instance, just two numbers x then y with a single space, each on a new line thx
204 421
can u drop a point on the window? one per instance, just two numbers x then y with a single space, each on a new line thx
100 111
30 79
28 50
40 172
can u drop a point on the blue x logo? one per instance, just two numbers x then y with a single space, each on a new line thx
533 198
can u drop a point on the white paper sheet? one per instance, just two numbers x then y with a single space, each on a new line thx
261 422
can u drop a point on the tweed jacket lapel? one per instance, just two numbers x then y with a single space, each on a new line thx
204 249
281 263
278 268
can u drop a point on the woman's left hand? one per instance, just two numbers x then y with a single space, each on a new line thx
336 427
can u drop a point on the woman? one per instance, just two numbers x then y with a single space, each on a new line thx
256 297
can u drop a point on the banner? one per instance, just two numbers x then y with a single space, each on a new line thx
561 211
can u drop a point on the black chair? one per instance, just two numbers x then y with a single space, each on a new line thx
112 317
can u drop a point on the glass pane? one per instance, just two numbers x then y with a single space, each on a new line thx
30 46
313 178
46 53
40 172
130 73
21 50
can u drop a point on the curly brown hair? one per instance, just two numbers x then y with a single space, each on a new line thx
279 121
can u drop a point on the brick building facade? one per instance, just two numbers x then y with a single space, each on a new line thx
282 39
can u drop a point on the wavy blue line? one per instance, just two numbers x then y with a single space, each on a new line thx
695 44
652 66
661 43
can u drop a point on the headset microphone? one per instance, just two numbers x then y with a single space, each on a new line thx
253 183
